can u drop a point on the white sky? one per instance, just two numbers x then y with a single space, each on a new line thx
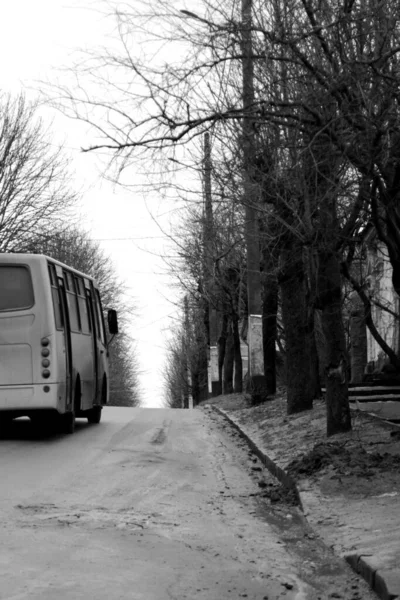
36 36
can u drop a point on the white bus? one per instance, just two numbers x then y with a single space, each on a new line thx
53 345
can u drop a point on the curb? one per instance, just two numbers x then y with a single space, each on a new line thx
386 584
272 467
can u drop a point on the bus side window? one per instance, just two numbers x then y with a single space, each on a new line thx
100 318
94 295
96 314
52 274
82 305
91 311
55 294
76 292
69 281
72 302
58 315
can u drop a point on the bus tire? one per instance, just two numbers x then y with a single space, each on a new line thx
104 398
68 418
5 423
68 422
94 415
77 395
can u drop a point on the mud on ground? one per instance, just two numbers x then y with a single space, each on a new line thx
353 464
277 505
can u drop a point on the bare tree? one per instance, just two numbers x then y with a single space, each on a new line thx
326 78
175 374
35 189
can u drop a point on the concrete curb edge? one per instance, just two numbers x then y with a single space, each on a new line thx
358 562
272 467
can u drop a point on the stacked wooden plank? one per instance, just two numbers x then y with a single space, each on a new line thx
379 397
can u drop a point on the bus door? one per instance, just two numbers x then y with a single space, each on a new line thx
96 350
101 343
67 342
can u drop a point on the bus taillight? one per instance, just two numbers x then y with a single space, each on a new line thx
45 352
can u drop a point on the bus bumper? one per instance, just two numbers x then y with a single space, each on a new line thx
25 398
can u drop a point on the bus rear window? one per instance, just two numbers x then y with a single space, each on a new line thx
16 291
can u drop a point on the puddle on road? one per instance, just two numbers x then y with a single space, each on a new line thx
159 437
161 434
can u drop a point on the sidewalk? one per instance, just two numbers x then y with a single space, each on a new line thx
348 485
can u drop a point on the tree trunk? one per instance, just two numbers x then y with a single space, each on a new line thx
222 347
184 371
336 380
201 376
315 380
238 376
270 309
195 378
228 362
295 321
358 339
321 346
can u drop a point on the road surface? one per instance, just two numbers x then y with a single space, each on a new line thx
151 504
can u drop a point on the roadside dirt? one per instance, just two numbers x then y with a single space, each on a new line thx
326 574
353 464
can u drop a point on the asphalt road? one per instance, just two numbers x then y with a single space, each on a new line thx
151 504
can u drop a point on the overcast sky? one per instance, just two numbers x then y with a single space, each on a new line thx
36 38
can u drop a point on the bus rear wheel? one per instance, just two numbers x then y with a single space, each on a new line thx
67 420
5 423
94 415
67 424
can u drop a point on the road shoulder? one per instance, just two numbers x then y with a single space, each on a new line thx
348 486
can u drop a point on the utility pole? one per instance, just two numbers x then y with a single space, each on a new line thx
250 200
214 384
184 369
188 399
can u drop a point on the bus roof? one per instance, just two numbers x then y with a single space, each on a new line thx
30 258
